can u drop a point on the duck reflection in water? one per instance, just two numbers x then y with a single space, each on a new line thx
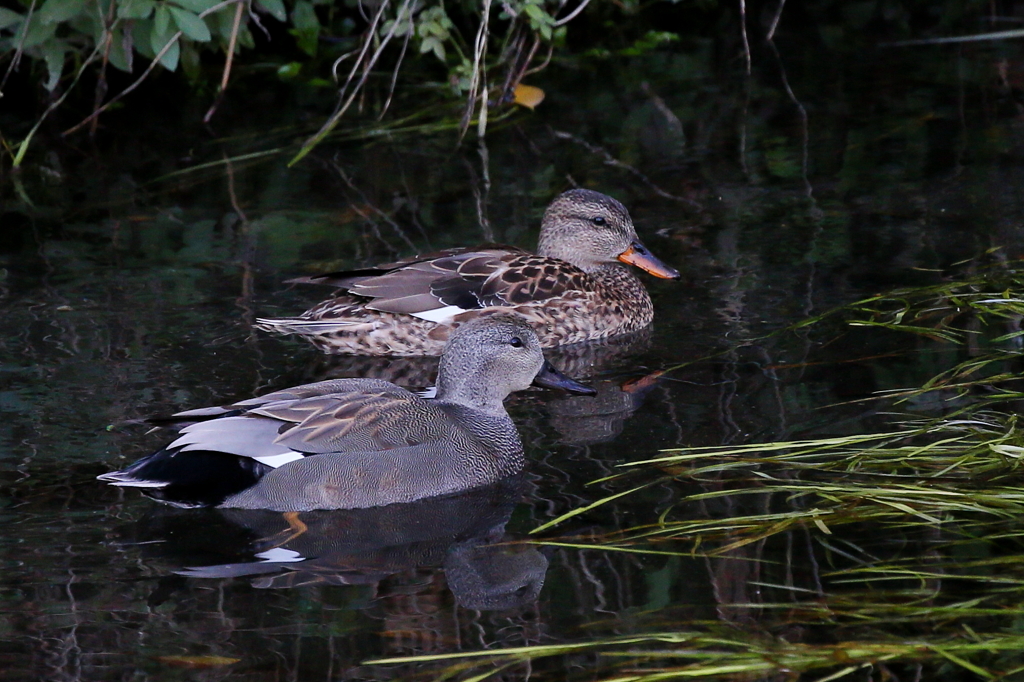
358 443
463 535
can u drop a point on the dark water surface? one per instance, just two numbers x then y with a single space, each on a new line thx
125 296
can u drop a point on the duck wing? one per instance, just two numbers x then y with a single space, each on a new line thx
439 288
336 416
345 278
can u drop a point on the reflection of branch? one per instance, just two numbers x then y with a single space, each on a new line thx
351 185
804 132
610 160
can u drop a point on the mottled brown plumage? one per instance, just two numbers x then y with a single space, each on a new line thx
576 288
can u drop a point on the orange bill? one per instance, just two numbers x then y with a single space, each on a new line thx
638 255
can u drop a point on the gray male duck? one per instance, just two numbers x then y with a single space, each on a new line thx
575 288
357 443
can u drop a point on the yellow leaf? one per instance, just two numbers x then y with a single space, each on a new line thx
528 96
197 661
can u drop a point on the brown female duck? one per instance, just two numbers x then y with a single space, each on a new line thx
575 288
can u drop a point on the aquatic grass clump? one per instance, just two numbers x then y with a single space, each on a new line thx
881 556
912 562
980 315
730 654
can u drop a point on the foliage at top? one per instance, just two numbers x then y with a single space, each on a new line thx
64 39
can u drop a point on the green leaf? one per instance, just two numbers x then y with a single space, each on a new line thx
135 9
190 24
432 44
161 35
306 27
245 37
224 22
190 61
120 49
274 8
53 55
141 31
170 58
37 32
9 18
304 17
161 25
195 6
536 12
289 71
57 11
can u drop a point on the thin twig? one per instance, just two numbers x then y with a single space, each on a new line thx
18 51
517 48
394 76
543 65
479 51
572 15
743 32
101 81
775 21
23 146
336 116
227 62
152 65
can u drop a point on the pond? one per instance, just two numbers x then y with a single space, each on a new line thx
131 284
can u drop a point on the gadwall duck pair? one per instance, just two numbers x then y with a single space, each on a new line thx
575 288
356 443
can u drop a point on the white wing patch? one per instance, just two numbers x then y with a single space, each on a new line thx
279 460
440 315
131 482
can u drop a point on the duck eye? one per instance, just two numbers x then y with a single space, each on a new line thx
599 220
516 342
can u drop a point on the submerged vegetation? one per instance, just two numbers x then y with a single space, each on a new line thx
883 556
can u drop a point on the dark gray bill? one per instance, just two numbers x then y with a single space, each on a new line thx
549 377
